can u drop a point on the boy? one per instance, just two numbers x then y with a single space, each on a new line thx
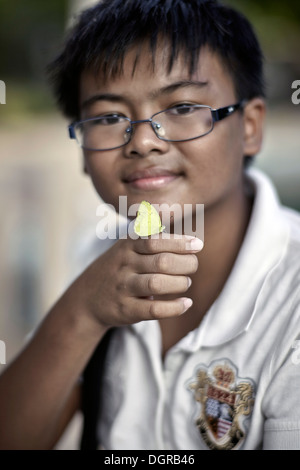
203 356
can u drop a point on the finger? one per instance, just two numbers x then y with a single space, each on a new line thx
171 244
145 285
150 309
167 263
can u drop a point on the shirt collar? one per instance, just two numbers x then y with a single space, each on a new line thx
264 244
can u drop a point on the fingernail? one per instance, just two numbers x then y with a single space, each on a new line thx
189 281
195 244
187 303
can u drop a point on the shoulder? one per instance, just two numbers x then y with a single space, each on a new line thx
277 226
274 244
291 258
293 220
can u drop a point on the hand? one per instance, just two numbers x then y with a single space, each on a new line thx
118 288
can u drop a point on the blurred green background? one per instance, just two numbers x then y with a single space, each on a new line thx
47 205
31 32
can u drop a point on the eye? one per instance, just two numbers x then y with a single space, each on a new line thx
184 109
107 120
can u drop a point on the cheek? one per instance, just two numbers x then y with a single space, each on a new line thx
102 170
214 162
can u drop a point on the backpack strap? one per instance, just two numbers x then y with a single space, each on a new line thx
92 394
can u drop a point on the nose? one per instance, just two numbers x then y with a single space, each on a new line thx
144 141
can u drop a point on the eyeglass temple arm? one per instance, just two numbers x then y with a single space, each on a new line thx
71 132
221 113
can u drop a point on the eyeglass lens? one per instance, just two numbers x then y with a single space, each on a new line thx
175 124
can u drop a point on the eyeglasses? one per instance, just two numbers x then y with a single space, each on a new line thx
177 124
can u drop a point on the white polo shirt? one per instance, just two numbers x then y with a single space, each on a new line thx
232 383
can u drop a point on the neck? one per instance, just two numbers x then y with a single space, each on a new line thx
225 228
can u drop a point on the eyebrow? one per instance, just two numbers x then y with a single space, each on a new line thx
102 97
168 89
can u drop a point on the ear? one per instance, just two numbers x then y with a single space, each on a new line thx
254 116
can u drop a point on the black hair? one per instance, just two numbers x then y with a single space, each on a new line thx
104 33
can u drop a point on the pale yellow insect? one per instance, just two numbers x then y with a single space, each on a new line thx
147 221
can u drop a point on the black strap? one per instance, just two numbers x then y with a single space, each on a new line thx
92 393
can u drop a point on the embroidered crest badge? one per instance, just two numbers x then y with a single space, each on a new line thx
225 403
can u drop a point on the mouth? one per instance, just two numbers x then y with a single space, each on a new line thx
151 178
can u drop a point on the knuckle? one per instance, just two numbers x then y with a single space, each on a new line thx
162 261
126 260
154 310
151 245
121 308
124 282
154 284
121 287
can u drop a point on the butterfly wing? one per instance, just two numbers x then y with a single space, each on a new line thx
148 221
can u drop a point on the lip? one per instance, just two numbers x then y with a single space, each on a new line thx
150 178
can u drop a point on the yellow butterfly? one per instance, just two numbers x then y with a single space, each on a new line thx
148 221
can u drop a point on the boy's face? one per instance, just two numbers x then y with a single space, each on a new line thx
207 170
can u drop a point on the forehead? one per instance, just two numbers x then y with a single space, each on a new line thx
145 75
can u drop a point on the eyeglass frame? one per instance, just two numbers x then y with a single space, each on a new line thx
217 115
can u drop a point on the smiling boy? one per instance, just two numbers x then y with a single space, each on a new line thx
166 99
